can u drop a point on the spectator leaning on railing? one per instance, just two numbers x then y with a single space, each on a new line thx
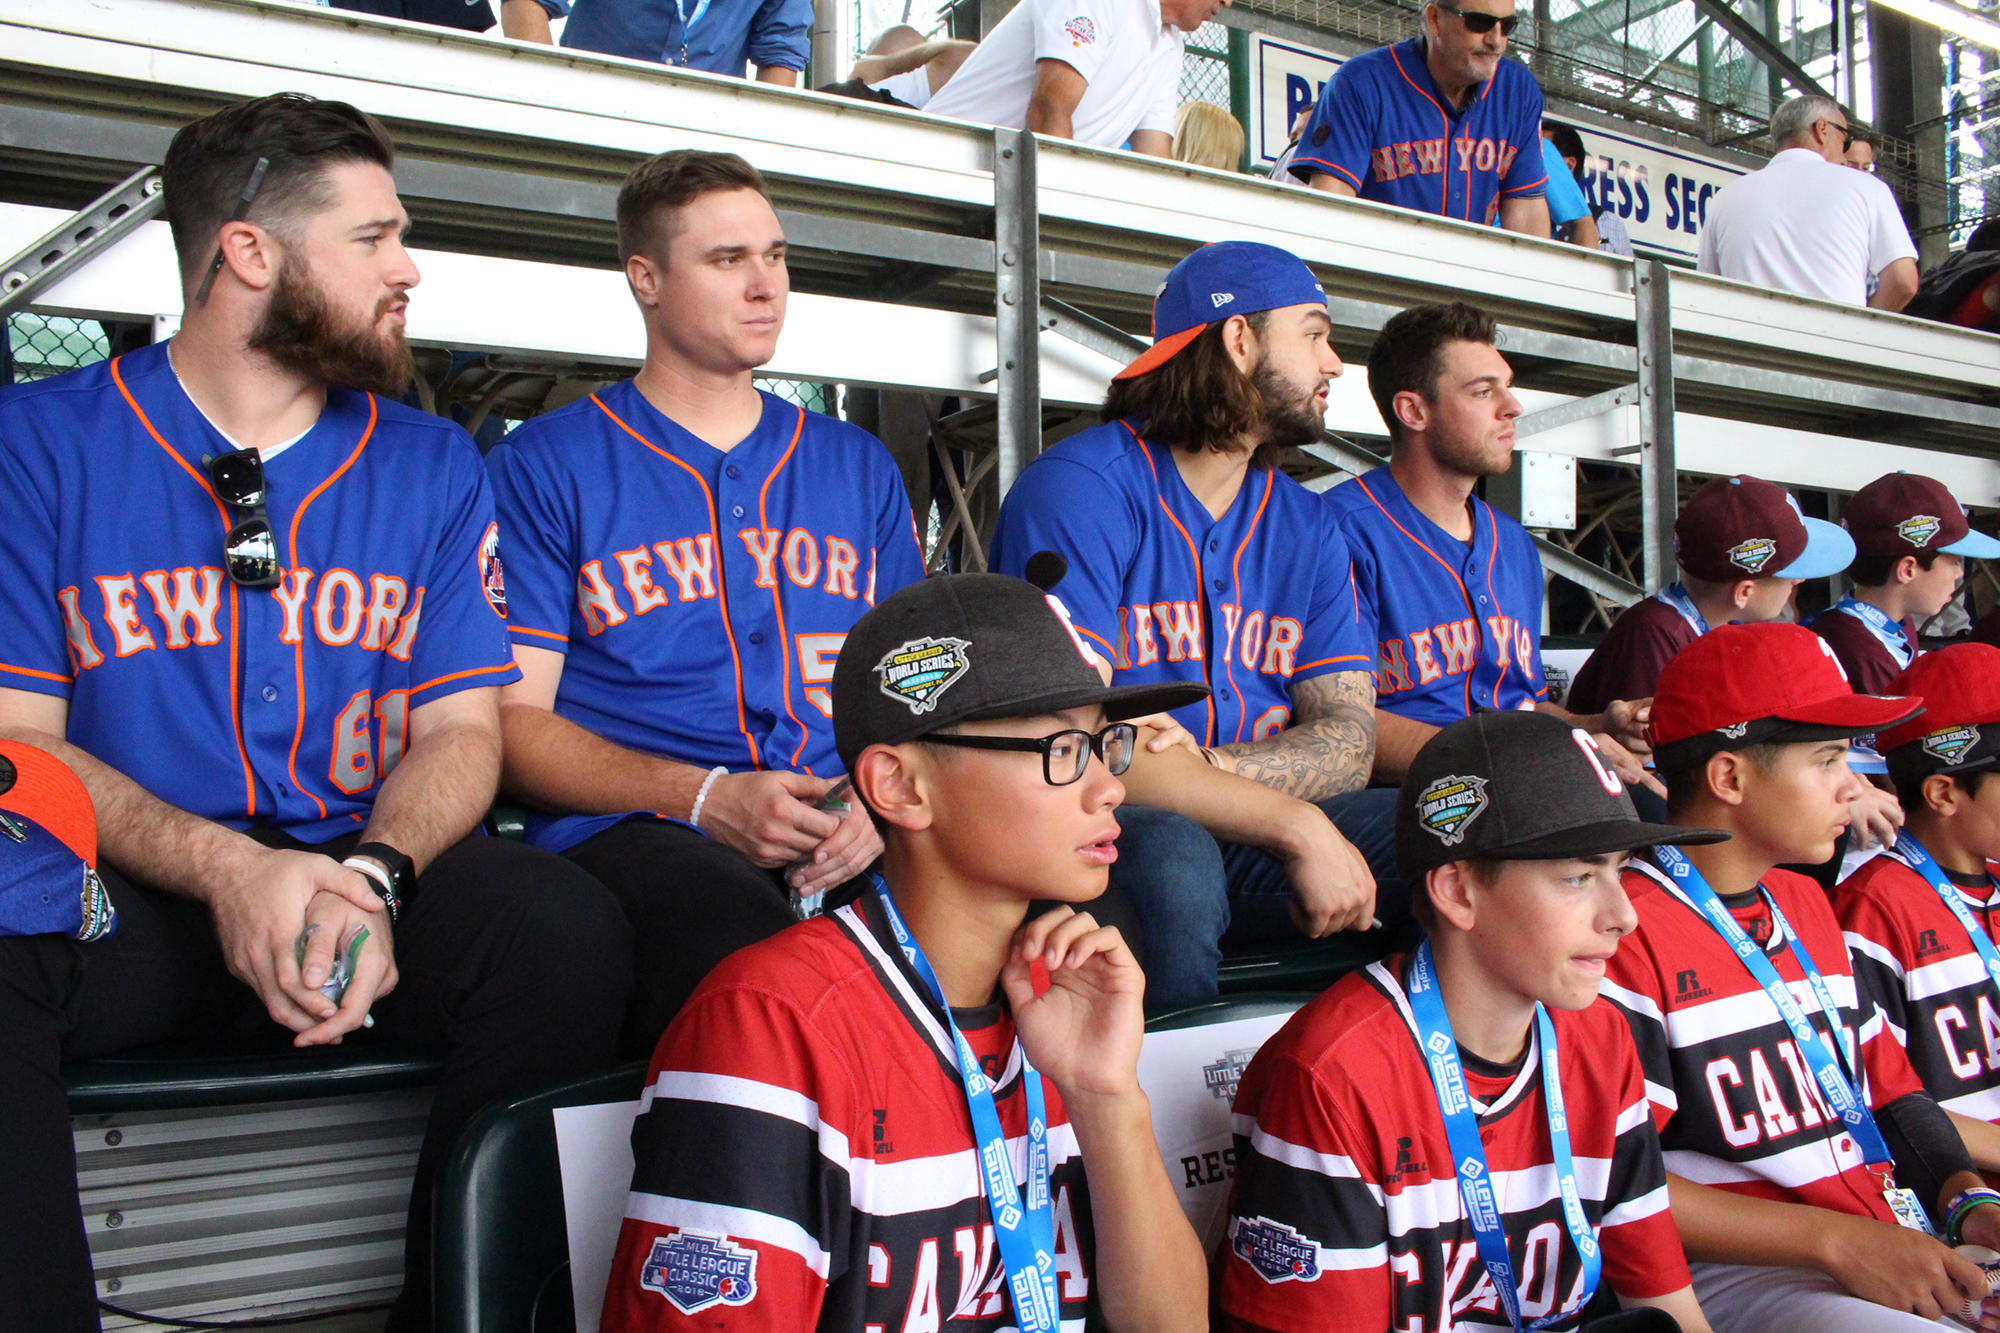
1805 224
1098 71
527 20
720 36
902 68
1441 123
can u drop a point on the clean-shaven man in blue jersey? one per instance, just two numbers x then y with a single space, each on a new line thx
1442 123
1448 589
686 554
255 604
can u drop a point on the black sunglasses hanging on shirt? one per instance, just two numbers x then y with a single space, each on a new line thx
250 551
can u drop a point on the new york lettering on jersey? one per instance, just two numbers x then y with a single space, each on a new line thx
700 597
1382 127
1247 604
1349 1212
1736 1101
286 705
804 1136
1455 626
1913 958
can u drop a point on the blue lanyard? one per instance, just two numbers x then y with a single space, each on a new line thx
1886 631
688 21
1912 853
1676 596
1829 1070
1461 1127
1025 1228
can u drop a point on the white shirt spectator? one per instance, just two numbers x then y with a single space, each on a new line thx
912 86
1803 224
1128 55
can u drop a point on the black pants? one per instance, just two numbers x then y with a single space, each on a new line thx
692 901
510 958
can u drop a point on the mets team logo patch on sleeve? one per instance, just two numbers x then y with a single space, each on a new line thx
1918 529
492 581
1449 804
1751 556
696 1271
1274 1250
1952 744
923 669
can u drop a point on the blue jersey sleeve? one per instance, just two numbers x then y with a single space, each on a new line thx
1526 176
462 638
1334 639
1341 134
1059 506
778 34
541 582
1566 203
33 651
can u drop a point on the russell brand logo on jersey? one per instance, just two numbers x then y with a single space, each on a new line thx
696 1271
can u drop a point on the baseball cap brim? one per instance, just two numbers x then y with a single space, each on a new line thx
1974 544
1611 835
1829 549
1846 715
1160 352
1119 701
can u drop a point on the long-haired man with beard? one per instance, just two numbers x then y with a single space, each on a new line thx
258 610
1191 557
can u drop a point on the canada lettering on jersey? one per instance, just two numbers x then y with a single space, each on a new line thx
683 569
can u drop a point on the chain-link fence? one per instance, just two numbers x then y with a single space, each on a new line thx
812 395
1205 71
43 345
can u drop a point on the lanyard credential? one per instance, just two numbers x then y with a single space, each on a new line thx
1886 631
1676 596
1828 1066
1912 853
1475 1180
688 21
1025 1227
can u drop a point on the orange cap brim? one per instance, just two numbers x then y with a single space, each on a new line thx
1160 352
47 792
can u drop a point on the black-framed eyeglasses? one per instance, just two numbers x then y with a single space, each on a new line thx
243 202
1478 24
1065 755
250 551
1846 133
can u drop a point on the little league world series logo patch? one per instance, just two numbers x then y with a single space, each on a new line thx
1751 556
1952 744
1449 804
1274 1250
1081 30
696 1271
1918 529
921 670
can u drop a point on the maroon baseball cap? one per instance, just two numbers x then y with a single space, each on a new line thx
1745 684
1960 728
1747 528
1907 514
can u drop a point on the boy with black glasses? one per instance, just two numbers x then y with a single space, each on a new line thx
257 607
804 1159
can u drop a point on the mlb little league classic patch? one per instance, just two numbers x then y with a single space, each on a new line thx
1449 804
696 1271
1274 1250
921 670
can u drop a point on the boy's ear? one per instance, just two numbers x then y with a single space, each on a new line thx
1741 591
1724 774
886 778
1450 887
1906 569
1942 793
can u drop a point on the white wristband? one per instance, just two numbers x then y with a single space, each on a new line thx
373 871
694 816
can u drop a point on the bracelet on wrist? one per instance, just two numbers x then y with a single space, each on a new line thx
1961 1205
701 797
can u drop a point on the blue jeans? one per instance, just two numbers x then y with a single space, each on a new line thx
1185 894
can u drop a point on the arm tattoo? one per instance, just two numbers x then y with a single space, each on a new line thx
1328 749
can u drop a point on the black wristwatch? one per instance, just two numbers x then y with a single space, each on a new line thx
402 887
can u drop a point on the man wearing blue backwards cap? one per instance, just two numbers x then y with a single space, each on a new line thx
1191 557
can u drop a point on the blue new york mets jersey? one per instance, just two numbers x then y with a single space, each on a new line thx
700 596
1455 627
1383 127
1246 604
282 706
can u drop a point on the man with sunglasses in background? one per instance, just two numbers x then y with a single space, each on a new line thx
1805 223
1442 123
258 609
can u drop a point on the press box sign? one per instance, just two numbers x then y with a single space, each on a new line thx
1662 194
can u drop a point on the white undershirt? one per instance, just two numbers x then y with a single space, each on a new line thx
265 454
